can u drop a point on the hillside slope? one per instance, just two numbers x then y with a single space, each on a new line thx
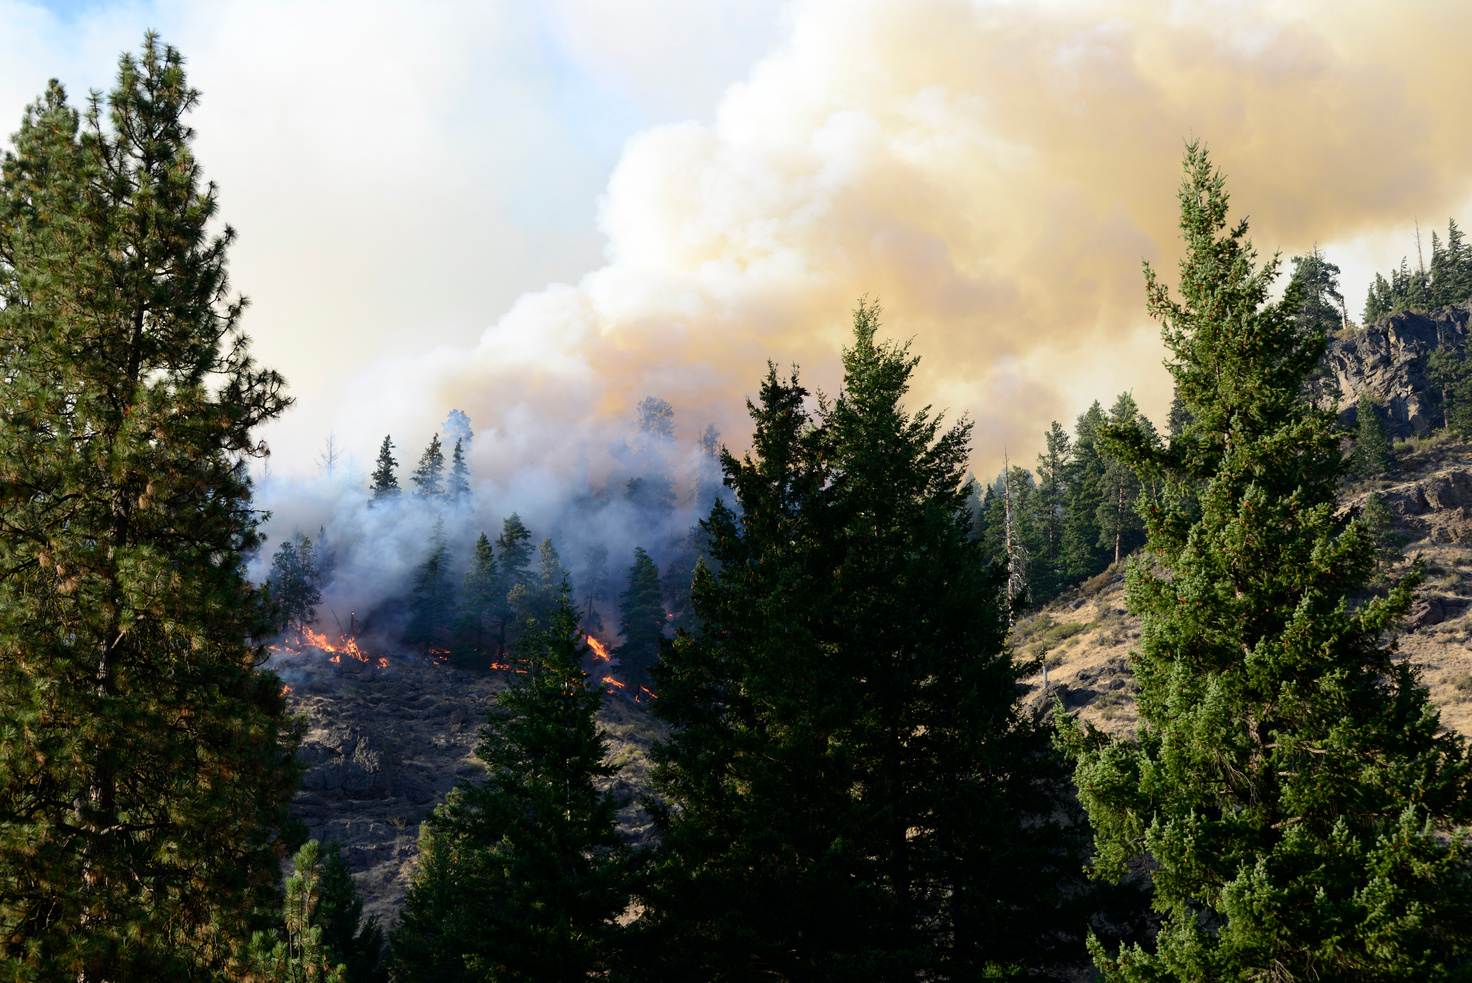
1086 635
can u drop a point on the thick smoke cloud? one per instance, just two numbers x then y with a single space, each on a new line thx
994 172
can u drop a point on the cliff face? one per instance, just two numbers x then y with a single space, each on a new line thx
1388 360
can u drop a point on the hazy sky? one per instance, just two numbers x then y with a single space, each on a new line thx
542 212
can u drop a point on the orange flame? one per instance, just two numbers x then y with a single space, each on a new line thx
615 682
285 690
600 651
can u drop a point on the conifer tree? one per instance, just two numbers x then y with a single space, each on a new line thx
515 561
385 481
145 762
458 489
1451 373
855 793
1288 782
521 876
351 941
293 584
433 608
481 596
1373 453
595 584
1047 565
1119 524
428 477
302 956
1083 556
641 622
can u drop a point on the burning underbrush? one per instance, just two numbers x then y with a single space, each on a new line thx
302 652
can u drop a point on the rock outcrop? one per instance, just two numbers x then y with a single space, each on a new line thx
1388 360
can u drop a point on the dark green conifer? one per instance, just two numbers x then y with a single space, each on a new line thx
1373 453
855 793
428 477
1451 372
1120 527
1288 785
385 481
515 551
1047 562
521 876
433 607
293 584
145 762
351 941
298 952
458 489
481 596
1083 556
641 622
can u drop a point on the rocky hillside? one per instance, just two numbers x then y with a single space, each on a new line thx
1388 360
1086 635
384 745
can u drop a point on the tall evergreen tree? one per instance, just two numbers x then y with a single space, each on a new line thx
1373 453
385 481
521 876
293 584
1120 527
481 595
433 608
458 489
298 953
641 622
351 941
515 551
1047 565
1288 782
1451 372
145 762
854 792
1083 556
429 476
457 427
596 585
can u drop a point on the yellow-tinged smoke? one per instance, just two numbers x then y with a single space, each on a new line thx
994 172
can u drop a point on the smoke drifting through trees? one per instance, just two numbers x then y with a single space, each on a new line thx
454 569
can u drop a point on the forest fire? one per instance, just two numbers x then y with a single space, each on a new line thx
614 682
600 651
306 639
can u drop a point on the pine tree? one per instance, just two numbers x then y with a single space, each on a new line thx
1048 571
385 482
521 877
1083 556
596 585
457 425
302 956
145 763
1288 783
428 477
459 486
433 608
1373 453
350 940
641 622
855 793
293 584
1120 527
1451 372
481 597
515 559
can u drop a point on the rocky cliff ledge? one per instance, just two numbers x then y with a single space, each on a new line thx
1388 360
